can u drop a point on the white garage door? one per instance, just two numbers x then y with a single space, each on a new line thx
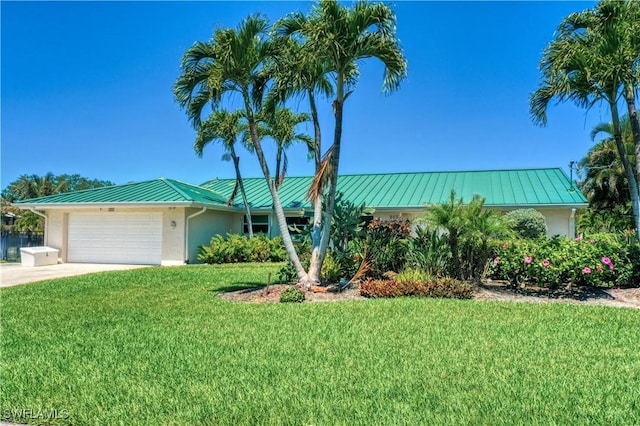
134 238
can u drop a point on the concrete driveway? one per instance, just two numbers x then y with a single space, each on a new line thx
14 273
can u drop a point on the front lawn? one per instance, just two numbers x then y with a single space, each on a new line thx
156 346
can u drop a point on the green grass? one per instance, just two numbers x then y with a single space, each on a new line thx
155 346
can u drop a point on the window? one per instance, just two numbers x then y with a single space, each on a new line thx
296 225
260 224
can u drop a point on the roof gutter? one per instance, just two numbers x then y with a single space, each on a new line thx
186 231
46 228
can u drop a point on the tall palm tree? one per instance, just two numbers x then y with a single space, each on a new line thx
583 65
299 72
227 127
232 62
340 37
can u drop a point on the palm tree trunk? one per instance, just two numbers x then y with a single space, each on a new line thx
631 177
236 164
277 205
635 131
316 231
335 160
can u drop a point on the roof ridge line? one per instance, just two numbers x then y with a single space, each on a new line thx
175 188
404 173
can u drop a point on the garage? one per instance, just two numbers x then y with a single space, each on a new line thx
115 237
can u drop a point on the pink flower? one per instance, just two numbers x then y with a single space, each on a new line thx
578 238
606 260
611 266
592 241
527 259
496 260
598 268
545 263
505 245
586 270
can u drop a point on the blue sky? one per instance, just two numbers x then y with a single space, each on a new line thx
87 88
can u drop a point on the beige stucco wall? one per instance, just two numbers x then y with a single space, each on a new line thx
55 233
173 237
560 221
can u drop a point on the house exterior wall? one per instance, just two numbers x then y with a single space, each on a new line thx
55 233
173 237
205 226
559 222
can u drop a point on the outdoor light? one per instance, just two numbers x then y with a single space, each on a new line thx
173 224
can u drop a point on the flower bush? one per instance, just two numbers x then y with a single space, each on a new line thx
599 260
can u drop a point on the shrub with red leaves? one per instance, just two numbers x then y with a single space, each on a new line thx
438 287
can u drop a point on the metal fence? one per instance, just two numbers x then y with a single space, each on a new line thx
12 241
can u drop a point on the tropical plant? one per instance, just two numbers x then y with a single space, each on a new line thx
595 58
471 232
338 37
233 62
387 243
605 182
298 72
226 127
449 216
429 251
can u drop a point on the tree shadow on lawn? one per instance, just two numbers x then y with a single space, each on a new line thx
573 293
242 287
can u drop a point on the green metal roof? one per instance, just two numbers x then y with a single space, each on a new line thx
159 191
501 188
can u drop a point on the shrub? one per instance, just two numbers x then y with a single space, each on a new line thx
438 287
331 271
527 223
292 295
412 275
239 248
599 260
429 251
288 274
387 245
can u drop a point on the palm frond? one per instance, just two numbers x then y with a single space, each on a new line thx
322 177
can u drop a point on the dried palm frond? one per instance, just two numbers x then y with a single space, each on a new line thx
322 177
364 267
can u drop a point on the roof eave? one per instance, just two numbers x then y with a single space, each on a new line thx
146 204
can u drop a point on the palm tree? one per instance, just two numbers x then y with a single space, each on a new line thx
340 37
280 125
232 62
451 217
584 64
298 72
226 127
605 182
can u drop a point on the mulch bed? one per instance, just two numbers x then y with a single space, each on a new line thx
492 290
